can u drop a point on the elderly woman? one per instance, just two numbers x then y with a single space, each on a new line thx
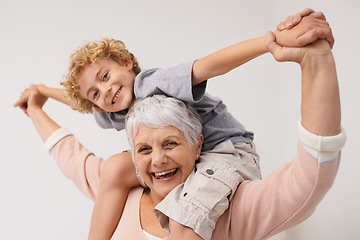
165 136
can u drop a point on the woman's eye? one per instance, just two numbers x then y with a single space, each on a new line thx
170 145
96 93
144 150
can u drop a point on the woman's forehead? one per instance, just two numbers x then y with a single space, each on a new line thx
149 133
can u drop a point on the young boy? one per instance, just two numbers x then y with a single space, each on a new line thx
105 75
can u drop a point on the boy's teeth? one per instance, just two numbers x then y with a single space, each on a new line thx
159 174
116 96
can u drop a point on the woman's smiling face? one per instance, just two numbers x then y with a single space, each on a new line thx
164 158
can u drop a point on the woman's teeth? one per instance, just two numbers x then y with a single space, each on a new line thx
164 173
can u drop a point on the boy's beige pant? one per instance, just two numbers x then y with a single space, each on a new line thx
204 197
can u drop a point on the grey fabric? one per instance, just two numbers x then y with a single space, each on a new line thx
218 124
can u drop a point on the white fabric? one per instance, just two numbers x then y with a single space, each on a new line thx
150 237
322 148
55 137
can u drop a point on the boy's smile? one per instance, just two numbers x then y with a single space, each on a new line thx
108 84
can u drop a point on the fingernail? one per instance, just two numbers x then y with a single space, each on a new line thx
296 18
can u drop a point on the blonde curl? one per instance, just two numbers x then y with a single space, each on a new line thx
88 54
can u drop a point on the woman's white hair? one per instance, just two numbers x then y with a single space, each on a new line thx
159 111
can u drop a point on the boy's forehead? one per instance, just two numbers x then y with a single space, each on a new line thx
92 69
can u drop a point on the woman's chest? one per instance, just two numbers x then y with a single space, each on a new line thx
148 220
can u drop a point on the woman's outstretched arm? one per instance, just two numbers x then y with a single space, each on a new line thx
320 100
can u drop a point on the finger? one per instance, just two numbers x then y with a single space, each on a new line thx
273 47
280 26
326 33
32 87
270 42
319 15
296 20
305 12
16 104
24 108
289 21
318 33
308 37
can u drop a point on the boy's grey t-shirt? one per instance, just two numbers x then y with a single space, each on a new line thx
218 124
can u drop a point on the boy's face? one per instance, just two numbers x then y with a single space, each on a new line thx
108 84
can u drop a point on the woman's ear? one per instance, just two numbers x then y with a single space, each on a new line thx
201 139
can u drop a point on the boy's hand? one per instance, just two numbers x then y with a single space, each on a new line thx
307 31
36 99
30 96
22 101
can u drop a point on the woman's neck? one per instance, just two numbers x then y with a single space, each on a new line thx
148 220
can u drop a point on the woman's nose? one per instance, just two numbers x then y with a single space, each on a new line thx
158 157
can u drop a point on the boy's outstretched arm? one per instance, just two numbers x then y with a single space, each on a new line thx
47 92
54 93
224 60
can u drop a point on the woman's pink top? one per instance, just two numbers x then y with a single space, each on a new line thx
259 209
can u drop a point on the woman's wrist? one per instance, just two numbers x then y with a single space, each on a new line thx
318 57
33 110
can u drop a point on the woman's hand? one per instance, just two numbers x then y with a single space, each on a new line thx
35 98
307 31
293 54
30 97
320 101
294 20
303 28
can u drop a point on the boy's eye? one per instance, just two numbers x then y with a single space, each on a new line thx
169 145
96 93
105 76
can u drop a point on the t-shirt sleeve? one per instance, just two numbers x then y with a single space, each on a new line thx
110 119
174 82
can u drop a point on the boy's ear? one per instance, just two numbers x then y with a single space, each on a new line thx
129 65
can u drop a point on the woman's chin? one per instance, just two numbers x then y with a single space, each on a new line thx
163 186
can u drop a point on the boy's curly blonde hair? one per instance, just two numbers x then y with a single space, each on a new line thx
89 54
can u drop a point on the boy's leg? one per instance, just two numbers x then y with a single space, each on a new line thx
204 197
117 177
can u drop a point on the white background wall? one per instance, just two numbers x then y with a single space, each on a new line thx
37 202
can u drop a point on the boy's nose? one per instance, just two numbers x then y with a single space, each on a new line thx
105 89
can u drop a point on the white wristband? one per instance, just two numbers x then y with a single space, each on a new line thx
55 137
